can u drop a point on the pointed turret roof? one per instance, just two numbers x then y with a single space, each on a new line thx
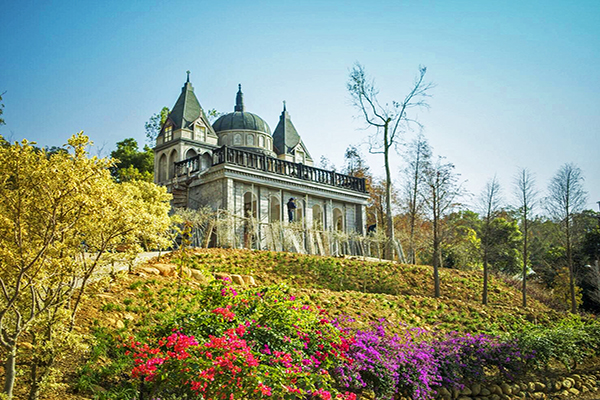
285 136
187 109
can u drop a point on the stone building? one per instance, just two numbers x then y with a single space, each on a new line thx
239 166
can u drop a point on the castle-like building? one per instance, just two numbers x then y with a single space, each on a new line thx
239 166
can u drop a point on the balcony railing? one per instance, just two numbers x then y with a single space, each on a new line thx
260 162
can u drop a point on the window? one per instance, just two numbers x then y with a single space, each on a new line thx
250 140
168 133
199 133
261 141
237 139
317 217
162 168
250 205
299 157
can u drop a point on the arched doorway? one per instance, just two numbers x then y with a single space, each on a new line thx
162 168
274 209
190 153
338 220
172 160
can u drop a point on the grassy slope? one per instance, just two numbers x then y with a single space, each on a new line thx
373 290
366 291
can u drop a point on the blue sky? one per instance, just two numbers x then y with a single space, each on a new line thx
518 82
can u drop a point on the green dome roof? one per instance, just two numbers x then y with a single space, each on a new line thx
241 120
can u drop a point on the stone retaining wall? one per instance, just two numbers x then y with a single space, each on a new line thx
566 387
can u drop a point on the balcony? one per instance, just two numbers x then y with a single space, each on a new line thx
260 162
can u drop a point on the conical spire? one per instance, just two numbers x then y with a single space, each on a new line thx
239 99
285 136
187 108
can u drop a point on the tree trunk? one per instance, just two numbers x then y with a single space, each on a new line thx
436 247
571 268
484 298
9 371
525 228
389 248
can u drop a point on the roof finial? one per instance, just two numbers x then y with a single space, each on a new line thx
284 106
188 75
239 100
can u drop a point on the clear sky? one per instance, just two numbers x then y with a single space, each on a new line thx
518 82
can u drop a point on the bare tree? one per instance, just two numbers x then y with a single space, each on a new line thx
567 197
490 202
440 198
390 122
526 195
419 157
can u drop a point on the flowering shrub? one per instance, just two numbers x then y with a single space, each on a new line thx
243 345
416 363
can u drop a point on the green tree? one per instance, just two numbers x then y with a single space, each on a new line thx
567 197
2 122
443 190
418 157
62 216
131 163
526 195
390 122
490 205
154 124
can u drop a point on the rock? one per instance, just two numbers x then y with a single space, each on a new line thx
506 389
119 324
466 391
538 396
222 276
149 270
464 398
237 279
531 386
540 387
455 393
249 280
199 276
494 397
574 392
557 386
485 392
523 386
495 389
166 269
567 384
444 393
475 389
520 394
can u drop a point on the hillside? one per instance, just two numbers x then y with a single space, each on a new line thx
365 291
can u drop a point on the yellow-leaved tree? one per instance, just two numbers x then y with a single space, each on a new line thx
62 217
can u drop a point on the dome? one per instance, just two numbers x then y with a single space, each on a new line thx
241 120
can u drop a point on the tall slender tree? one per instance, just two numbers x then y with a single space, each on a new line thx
490 205
419 156
526 194
390 121
567 197
440 198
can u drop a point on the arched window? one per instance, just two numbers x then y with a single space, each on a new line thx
299 217
261 141
250 140
223 140
317 217
274 209
205 161
172 160
237 139
162 168
250 205
190 153
338 219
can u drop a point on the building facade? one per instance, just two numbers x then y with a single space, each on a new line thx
239 166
